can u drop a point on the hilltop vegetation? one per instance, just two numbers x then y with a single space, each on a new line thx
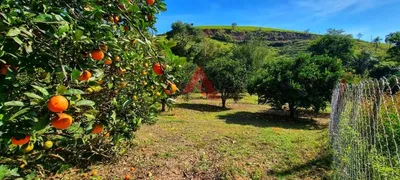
292 52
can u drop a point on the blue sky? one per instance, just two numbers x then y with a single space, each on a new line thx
369 17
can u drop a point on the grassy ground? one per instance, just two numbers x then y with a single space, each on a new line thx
199 140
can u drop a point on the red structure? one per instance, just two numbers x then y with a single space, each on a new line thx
205 85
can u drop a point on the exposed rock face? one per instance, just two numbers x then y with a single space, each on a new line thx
267 35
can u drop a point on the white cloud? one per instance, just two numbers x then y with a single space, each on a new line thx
322 8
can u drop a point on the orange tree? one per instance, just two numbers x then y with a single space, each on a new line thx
75 75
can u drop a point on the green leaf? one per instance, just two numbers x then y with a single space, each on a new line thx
20 112
78 34
25 31
14 103
63 29
18 40
13 32
48 18
61 89
110 85
96 88
43 122
34 96
75 74
90 116
28 48
85 103
73 92
139 122
41 90
114 115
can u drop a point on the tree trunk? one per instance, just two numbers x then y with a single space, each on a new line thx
163 104
292 110
223 102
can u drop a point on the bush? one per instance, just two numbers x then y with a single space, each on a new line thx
305 82
90 56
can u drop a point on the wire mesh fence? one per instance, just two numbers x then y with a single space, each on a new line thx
365 130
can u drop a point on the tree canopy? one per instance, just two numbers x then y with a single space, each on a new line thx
228 78
305 82
335 45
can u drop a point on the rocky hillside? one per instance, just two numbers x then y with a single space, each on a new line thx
240 35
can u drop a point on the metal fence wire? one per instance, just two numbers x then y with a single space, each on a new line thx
364 130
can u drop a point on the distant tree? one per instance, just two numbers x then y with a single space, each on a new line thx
364 62
185 35
376 42
332 31
228 78
206 51
335 45
359 36
251 54
234 25
307 31
394 51
305 82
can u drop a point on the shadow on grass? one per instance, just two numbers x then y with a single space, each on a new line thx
318 167
268 119
202 107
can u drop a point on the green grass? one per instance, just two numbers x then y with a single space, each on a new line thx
247 28
198 139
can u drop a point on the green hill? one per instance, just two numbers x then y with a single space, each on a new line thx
287 42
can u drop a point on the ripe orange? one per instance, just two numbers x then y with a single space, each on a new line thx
108 61
117 58
127 177
172 87
20 141
97 54
150 2
123 85
132 169
3 69
58 104
61 121
121 71
126 28
158 69
94 173
116 19
85 76
98 128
